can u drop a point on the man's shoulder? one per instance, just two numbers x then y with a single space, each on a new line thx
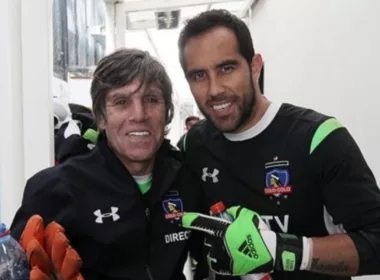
46 185
304 116
199 134
48 177
45 177
65 174
307 124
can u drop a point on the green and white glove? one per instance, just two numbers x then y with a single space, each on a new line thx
246 245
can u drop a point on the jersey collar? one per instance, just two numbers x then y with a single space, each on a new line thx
255 130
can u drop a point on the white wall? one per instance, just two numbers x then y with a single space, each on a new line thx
26 142
325 55
60 88
80 91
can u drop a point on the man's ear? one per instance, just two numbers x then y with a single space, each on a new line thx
102 124
256 65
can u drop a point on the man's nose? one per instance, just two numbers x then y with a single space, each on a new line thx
138 112
215 86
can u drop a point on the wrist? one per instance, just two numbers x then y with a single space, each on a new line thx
307 253
293 253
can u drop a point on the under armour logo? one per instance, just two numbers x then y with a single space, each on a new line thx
101 216
212 175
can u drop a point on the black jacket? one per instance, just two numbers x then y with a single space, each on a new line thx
70 139
119 233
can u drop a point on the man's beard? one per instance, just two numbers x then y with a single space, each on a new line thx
246 110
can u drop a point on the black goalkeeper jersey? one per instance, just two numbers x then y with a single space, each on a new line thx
300 170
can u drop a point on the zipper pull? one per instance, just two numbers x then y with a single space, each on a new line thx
149 272
147 213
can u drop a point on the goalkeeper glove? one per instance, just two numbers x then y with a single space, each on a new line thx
247 246
49 253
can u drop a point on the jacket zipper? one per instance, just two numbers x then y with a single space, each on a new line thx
149 273
147 268
148 207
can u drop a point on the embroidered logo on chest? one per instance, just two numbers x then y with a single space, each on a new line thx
277 179
173 208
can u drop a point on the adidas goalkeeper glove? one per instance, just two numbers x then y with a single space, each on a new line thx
49 253
247 246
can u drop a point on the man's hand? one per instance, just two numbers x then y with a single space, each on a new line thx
246 246
49 253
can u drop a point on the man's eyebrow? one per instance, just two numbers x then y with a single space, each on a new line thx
117 94
153 91
227 62
219 65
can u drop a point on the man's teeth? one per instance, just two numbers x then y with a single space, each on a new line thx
139 133
221 106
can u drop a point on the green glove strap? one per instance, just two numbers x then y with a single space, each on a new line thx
288 253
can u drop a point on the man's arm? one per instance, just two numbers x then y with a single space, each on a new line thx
352 198
341 257
46 196
45 200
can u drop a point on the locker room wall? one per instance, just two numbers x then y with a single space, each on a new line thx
325 55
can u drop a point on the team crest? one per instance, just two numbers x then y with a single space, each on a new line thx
277 182
173 208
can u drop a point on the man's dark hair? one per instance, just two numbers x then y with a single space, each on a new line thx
120 69
217 18
191 118
261 80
